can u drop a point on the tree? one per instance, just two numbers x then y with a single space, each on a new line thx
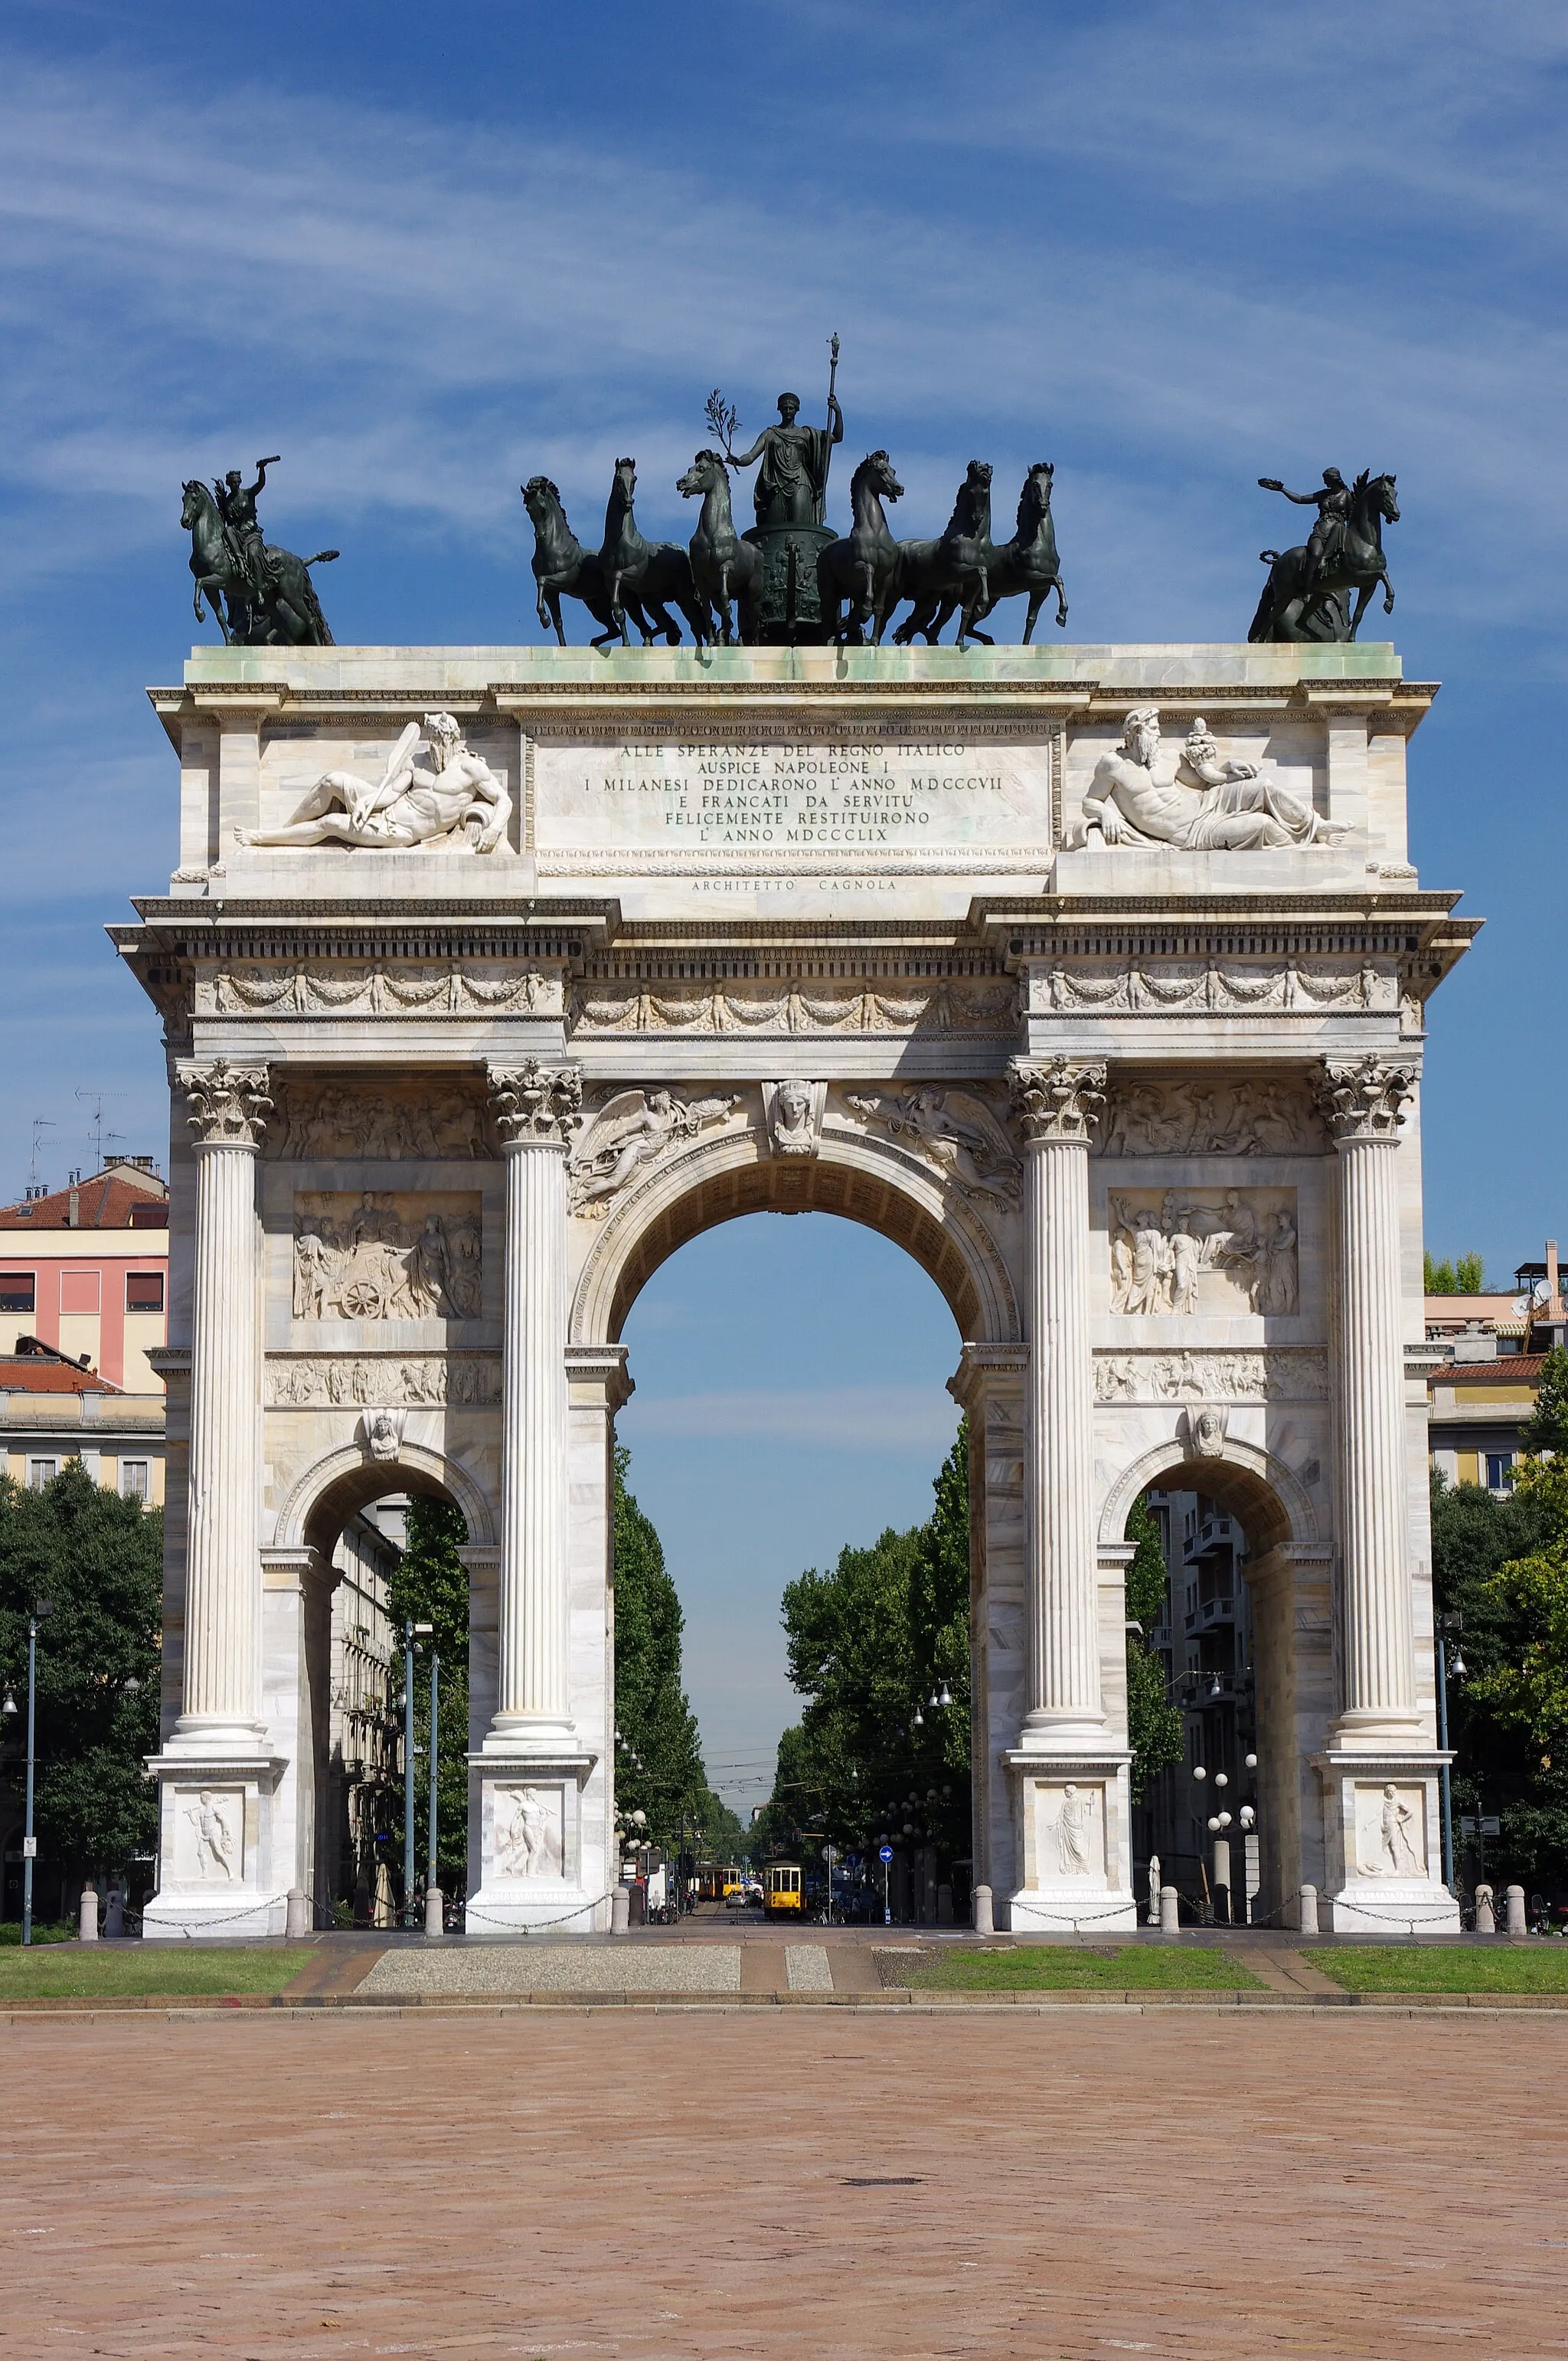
430 1585
97 1560
1154 1724
1547 1427
1501 1765
1528 1687
1466 1276
659 1768
869 1642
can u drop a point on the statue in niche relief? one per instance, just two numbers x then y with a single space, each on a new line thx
1397 1853
1154 1889
1074 1821
214 1838
527 1843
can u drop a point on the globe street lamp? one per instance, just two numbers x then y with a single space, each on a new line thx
1221 1822
411 1631
29 1842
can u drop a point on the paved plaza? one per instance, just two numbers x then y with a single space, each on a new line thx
1080 2184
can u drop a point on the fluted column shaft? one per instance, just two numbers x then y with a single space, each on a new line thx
222 1696
1363 1107
1056 1104
535 1113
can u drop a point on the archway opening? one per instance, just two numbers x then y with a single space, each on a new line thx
386 1541
791 1415
1215 1819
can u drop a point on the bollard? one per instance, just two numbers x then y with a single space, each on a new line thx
87 1928
1486 1923
298 1916
1515 1922
982 1919
1169 1910
620 1910
434 1921
944 1906
115 1915
1307 1911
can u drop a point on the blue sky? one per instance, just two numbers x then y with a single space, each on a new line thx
424 253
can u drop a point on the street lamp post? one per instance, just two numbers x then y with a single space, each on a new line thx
411 1631
29 1842
1446 1623
431 1879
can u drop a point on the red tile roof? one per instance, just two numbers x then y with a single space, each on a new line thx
37 1373
107 1201
1508 1369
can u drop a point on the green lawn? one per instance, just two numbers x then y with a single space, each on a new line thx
153 1969
1055 1968
1445 1967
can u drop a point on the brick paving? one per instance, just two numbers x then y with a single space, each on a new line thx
730 2185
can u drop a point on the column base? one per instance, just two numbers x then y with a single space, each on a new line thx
1381 1835
531 1842
1073 1830
217 1878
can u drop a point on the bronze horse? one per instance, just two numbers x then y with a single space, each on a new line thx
939 576
562 569
724 566
647 575
1291 611
863 569
1027 565
293 619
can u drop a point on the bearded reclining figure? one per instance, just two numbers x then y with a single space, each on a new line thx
1211 806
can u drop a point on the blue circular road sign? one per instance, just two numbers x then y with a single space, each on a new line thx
884 1852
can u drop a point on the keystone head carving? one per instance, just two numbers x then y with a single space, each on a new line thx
1058 1099
537 1104
1364 1098
228 1104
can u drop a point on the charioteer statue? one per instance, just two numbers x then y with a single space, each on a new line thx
791 499
258 596
1305 596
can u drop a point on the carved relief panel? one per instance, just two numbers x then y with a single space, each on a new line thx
1070 1830
528 1830
387 1255
1390 1831
328 1119
208 1837
1193 1250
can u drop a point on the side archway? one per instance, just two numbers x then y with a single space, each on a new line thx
868 1182
1271 1504
334 1488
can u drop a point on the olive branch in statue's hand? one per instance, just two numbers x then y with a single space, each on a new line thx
724 419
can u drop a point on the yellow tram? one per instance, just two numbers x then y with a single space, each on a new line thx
782 1889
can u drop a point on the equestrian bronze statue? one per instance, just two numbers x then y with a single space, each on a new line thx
1305 596
258 596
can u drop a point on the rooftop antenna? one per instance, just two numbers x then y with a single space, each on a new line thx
40 1123
98 1098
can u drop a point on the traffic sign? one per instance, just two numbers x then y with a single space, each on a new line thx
884 1852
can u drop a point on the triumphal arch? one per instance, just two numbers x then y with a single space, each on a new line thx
1094 976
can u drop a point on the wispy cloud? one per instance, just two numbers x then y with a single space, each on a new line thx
847 1418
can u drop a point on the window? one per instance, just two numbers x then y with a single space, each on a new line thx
133 1480
1499 1471
19 1289
144 1290
79 1291
41 1472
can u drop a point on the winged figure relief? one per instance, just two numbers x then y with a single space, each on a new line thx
632 1131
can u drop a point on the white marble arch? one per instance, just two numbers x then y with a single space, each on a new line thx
864 1179
1289 1569
320 1501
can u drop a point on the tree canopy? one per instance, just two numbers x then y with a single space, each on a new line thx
870 1641
1502 1566
658 1767
97 1560
1546 1429
430 1585
1464 1275
1153 1723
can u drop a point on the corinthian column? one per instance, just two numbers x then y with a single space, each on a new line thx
535 1110
1362 1104
222 1697
1056 1103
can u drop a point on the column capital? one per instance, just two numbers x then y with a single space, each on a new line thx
1364 1098
535 1106
1057 1098
228 1104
